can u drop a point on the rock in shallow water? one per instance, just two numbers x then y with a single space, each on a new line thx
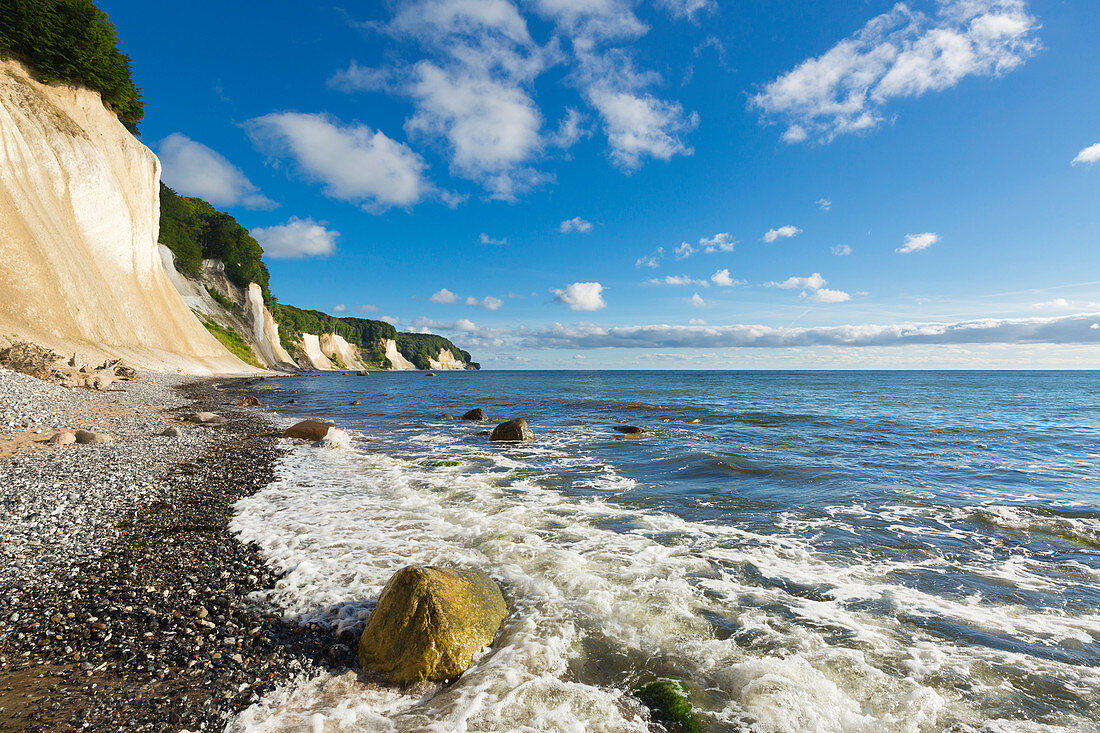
309 430
430 622
513 431
475 414
248 401
629 429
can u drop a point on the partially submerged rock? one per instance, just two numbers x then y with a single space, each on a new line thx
430 374
429 623
362 373
629 429
88 437
669 705
475 414
355 403
313 430
446 416
513 431
248 401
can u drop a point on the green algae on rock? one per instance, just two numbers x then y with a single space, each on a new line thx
668 703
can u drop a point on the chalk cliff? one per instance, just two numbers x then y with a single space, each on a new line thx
80 268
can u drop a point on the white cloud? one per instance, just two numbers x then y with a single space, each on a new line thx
841 250
676 280
341 308
366 308
576 224
358 78
1076 329
687 8
1056 303
443 296
696 301
464 324
489 303
901 53
570 130
653 261
582 296
354 162
193 169
296 238
684 251
917 242
392 320
784 232
721 242
641 125
697 322
1091 154
486 239
812 282
824 204
723 280
825 295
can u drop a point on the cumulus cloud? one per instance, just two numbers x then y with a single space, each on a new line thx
812 282
824 204
641 126
841 250
353 162
723 280
652 261
576 224
1076 329
486 239
901 53
296 238
341 308
684 251
825 295
721 242
696 301
687 8
676 280
489 303
697 322
582 296
443 296
193 169
1091 154
917 242
783 232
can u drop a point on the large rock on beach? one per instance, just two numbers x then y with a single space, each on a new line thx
309 430
475 414
429 623
87 437
63 438
207 418
513 431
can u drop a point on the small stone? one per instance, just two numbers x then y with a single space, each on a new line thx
63 438
85 437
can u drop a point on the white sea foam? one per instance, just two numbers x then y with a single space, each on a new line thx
769 631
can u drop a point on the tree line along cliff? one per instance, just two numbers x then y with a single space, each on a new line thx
195 231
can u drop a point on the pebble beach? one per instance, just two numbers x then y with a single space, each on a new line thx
125 603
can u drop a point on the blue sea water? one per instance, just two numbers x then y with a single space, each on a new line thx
808 551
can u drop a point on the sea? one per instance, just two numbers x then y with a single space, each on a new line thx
806 551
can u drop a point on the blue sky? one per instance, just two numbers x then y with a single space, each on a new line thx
658 184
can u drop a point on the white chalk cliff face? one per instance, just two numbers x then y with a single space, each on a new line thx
310 346
397 359
337 349
446 360
80 268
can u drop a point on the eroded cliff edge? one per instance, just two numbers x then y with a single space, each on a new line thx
80 270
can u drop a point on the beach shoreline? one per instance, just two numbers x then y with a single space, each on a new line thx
124 598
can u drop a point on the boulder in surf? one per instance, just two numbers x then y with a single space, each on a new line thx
430 622
309 430
513 431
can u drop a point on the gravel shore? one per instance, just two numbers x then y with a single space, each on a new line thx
124 601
